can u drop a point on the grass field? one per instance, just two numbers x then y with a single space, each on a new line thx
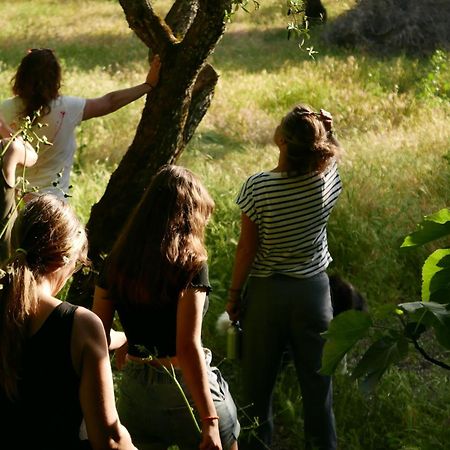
391 115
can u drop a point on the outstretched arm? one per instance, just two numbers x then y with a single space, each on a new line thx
101 106
91 359
191 359
245 255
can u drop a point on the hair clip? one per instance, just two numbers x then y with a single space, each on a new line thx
21 251
31 50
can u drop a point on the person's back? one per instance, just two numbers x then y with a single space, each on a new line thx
54 118
48 390
156 279
291 212
55 367
52 173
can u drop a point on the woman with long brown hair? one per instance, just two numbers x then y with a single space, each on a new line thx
156 278
281 260
36 89
54 360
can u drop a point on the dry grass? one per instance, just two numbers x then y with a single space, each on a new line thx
412 26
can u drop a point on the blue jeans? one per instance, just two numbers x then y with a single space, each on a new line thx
283 312
151 406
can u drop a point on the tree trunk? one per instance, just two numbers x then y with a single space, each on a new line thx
315 11
171 114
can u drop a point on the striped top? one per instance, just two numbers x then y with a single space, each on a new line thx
291 213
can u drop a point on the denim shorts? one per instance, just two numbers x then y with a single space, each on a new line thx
152 407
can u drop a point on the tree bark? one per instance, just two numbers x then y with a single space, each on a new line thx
171 114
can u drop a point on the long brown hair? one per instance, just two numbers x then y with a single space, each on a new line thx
308 147
162 246
46 236
37 81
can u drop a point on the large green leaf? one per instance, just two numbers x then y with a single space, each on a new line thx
432 314
432 227
436 277
380 356
344 332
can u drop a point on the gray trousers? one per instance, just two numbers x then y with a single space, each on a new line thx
283 312
150 405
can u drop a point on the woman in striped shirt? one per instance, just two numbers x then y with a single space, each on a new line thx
282 256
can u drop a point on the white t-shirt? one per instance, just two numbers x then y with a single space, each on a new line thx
54 162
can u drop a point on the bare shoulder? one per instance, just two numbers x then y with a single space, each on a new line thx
88 324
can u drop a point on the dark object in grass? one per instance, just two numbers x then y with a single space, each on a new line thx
344 296
315 11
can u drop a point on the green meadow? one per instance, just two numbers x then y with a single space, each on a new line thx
391 115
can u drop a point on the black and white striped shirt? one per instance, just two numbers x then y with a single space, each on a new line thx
291 213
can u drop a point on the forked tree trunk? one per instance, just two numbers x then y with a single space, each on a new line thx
172 111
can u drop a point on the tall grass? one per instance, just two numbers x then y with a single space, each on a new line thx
391 116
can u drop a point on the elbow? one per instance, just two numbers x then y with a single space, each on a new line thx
187 350
247 251
115 437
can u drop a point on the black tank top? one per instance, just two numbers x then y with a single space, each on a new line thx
48 413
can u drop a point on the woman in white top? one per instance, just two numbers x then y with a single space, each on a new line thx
282 255
36 89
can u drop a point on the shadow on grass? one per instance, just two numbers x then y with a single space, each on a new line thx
214 145
83 51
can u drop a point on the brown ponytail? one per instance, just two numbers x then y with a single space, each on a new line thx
46 236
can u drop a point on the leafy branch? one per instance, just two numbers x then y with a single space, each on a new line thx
391 345
298 22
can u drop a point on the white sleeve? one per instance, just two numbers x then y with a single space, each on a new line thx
75 109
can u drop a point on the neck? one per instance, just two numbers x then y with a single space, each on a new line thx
44 288
283 165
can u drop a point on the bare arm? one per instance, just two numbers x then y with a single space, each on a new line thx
5 130
104 308
101 106
245 255
191 358
18 152
91 358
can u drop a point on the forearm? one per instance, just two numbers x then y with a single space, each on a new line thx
118 99
191 359
242 265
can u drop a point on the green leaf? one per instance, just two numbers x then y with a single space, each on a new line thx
432 227
380 356
344 332
436 277
431 314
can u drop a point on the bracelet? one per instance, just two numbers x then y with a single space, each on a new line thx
149 85
209 418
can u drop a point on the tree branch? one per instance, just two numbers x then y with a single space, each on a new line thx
208 22
202 95
181 16
148 26
427 356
